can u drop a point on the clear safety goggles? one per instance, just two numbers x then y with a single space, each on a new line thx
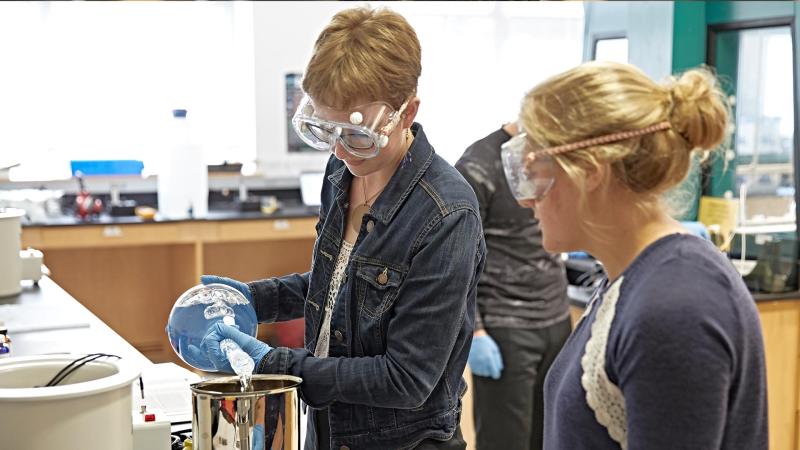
529 178
364 135
531 173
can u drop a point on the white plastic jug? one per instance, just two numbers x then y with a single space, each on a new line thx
10 241
183 179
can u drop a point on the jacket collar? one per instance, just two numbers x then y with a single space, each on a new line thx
405 178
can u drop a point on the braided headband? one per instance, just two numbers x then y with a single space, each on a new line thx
600 140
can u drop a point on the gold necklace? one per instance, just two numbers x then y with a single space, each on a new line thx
361 210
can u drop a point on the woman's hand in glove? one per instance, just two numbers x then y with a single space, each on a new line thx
218 332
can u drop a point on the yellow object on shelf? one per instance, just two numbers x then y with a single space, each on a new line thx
145 212
719 215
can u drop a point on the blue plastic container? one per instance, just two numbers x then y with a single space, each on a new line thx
107 167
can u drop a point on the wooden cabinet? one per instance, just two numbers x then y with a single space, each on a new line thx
780 323
130 275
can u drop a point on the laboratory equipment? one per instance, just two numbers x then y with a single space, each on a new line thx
40 205
196 310
183 179
5 342
88 408
17 265
86 205
10 240
268 417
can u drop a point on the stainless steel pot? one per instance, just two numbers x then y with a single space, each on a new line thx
268 417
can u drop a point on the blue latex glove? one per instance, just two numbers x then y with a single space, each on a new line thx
238 285
484 357
219 331
697 229
258 438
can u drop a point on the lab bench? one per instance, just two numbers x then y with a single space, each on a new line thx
44 318
129 272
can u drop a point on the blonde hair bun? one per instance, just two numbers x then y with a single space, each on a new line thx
699 108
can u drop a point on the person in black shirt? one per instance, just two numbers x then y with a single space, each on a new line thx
523 317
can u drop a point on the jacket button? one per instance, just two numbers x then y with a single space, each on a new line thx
383 277
370 226
338 335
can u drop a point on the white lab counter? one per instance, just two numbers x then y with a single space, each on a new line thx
45 319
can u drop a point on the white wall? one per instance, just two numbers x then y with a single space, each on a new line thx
647 25
97 80
478 60
284 35
651 37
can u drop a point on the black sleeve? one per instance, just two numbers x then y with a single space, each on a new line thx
476 166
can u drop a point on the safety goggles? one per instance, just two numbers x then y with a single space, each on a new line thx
527 181
531 173
364 135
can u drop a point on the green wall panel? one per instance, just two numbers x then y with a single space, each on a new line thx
718 12
688 50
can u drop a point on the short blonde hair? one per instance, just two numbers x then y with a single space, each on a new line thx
599 98
364 53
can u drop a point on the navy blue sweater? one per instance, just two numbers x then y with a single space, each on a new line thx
685 349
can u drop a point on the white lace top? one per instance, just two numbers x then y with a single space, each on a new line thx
324 339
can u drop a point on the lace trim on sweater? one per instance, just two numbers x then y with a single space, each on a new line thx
603 396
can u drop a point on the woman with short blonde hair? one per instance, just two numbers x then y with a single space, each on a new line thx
669 352
364 54
389 302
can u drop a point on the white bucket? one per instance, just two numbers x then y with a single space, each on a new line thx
89 410
10 236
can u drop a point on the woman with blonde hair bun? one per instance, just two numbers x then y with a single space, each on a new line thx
669 352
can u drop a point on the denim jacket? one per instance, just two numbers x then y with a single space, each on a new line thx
402 326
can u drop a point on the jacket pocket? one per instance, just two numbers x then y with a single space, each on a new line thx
377 288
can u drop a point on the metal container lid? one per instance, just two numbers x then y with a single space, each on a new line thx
262 385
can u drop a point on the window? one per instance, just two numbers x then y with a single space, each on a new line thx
754 62
99 81
765 125
611 49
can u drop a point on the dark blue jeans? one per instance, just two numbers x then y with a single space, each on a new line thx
457 442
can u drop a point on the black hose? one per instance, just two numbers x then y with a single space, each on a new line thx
75 365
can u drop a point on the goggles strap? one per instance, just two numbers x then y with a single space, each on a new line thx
395 118
600 140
